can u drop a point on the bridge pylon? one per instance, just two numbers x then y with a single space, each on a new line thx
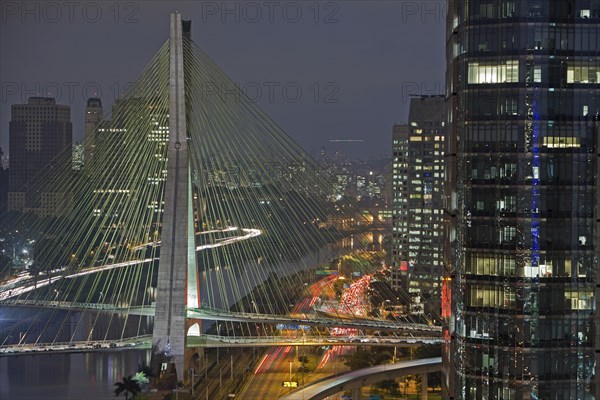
178 285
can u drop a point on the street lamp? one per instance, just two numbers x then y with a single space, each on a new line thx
219 334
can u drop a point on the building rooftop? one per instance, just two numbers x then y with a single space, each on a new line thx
41 100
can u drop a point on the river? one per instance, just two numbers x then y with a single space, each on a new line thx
75 376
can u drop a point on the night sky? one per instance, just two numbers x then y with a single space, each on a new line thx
361 58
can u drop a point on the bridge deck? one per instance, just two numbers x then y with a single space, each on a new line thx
223 315
214 341
364 377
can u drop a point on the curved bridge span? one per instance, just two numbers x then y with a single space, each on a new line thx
354 380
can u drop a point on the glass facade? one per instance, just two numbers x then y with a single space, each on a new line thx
418 177
522 107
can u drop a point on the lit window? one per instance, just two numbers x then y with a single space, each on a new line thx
507 234
560 142
583 74
537 74
493 73
580 300
485 296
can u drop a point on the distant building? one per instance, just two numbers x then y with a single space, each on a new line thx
93 116
40 132
4 160
105 137
417 174
3 184
78 156
399 273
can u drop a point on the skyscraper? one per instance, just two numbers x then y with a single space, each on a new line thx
523 99
3 184
93 116
418 177
40 132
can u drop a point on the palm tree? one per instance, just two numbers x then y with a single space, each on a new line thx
128 385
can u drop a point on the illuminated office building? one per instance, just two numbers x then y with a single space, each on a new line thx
523 99
93 117
417 179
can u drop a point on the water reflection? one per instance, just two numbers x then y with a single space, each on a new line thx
89 376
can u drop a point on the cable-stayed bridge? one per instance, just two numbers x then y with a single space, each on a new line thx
222 315
213 341
193 206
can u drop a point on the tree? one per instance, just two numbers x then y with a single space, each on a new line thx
434 380
361 358
142 377
380 357
127 386
146 370
428 351
407 380
389 385
303 359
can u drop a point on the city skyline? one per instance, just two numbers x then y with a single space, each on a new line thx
213 209
352 61
258 246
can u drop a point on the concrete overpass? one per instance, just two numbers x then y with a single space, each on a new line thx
354 380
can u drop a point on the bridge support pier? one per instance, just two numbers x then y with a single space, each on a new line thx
177 252
194 358
424 384
356 394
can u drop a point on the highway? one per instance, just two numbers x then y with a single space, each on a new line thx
12 287
280 364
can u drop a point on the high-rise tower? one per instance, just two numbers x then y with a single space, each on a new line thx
40 135
93 116
523 99
3 183
418 177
